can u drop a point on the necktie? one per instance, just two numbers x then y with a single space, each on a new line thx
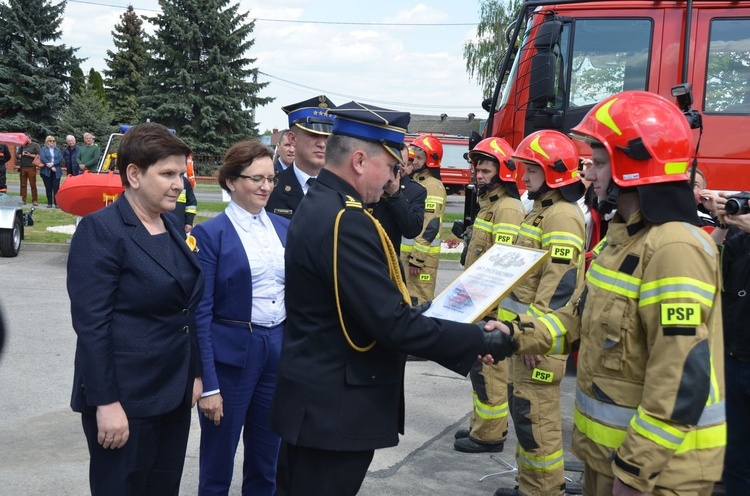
310 182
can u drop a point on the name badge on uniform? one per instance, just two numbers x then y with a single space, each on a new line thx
430 206
282 211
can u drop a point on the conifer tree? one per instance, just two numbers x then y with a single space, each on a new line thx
86 113
126 68
199 82
95 84
78 82
35 73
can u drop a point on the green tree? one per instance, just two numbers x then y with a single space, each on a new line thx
35 72
86 113
78 81
483 56
95 84
200 81
126 68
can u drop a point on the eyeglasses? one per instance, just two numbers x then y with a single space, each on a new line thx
51 141
258 180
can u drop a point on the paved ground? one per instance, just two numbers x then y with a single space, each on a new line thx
42 449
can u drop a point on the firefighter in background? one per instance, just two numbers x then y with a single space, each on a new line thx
186 207
557 224
649 414
500 214
421 255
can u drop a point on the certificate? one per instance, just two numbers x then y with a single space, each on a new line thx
481 287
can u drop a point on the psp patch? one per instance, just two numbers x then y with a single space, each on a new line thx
424 277
504 239
562 252
680 314
542 375
430 206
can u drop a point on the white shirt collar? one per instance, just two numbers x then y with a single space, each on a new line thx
243 218
302 177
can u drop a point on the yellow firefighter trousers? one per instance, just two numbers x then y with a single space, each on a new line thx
422 286
597 484
489 418
535 408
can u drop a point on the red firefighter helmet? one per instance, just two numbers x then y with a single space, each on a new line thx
647 137
500 151
555 153
432 147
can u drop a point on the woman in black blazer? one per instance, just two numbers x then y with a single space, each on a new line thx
134 285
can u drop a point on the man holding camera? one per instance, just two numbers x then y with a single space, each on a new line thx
649 413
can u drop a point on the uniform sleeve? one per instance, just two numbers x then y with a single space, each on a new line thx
373 308
408 211
208 254
94 270
551 333
434 206
563 236
679 309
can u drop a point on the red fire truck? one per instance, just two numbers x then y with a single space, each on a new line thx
568 55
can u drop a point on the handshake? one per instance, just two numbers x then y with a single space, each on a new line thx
497 343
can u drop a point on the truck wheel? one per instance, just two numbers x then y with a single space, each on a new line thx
10 239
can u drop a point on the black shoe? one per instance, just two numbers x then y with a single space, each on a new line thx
461 433
413 358
470 445
505 491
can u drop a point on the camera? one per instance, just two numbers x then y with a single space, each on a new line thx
738 204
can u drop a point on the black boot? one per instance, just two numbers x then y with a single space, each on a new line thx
461 433
470 445
504 491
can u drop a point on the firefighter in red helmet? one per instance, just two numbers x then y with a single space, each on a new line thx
500 214
421 255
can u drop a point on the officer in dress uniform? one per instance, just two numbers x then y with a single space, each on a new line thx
309 128
339 393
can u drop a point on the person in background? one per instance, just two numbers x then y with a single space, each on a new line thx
309 128
241 325
70 153
4 157
27 169
707 219
421 256
51 171
734 246
400 209
497 221
88 155
284 157
187 206
339 394
134 291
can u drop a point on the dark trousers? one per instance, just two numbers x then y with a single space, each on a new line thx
317 472
247 394
28 174
736 465
51 185
3 178
151 461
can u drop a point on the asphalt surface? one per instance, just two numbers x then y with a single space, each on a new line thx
42 448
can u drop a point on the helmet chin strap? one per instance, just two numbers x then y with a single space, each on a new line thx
610 203
536 194
483 188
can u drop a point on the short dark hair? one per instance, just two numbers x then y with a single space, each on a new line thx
239 156
145 144
339 147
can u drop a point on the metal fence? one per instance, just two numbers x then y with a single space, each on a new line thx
206 165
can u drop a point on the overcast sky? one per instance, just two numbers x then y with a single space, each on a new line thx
399 64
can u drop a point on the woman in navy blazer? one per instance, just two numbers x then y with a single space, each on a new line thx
51 171
134 286
240 324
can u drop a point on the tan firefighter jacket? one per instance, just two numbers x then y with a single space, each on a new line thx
428 242
497 221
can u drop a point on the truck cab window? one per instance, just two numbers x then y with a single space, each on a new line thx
728 69
608 56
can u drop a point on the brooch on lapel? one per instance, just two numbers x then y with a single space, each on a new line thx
192 243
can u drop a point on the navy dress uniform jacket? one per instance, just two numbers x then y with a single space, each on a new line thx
133 315
286 195
329 396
